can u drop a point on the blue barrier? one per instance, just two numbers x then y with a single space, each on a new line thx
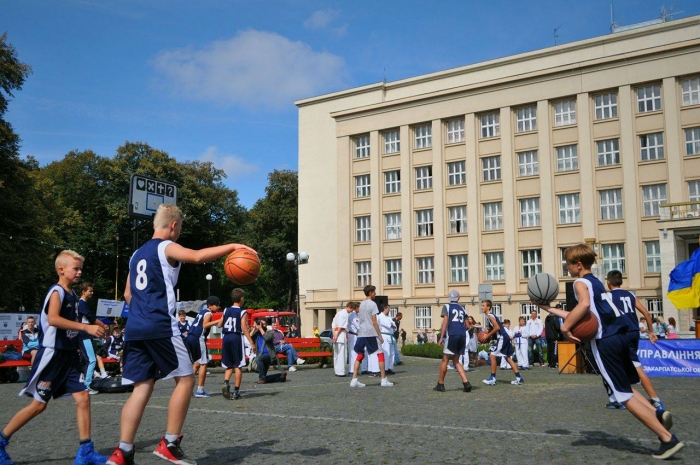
670 357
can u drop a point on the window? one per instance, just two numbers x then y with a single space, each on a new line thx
393 272
362 188
613 257
362 229
652 197
655 307
393 226
692 141
569 209
423 136
490 125
690 91
455 131
424 222
362 147
606 106
424 177
497 311
694 191
527 164
392 143
393 311
652 146
526 119
392 182
648 99
611 204
653 256
495 270
564 113
423 317
363 272
532 262
530 212
491 168
459 268
564 264
426 271
493 216
526 308
608 152
458 219
567 158
456 173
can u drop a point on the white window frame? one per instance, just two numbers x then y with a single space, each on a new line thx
494 268
528 163
653 196
610 204
569 208
424 223
567 158
392 182
424 177
392 223
362 186
653 256
490 125
526 308
425 266
651 146
362 147
605 106
526 119
529 212
363 273
493 216
497 311
457 217
392 141
608 152
456 173
690 91
363 229
459 268
655 307
648 98
564 263
491 168
692 141
393 272
613 257
424 317
423 136
564 113
532 262
694 191
455 131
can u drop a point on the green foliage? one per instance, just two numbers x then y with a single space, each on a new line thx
429 350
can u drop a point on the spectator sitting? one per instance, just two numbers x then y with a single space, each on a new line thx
283 347
30 340
293 331
113 346
265 350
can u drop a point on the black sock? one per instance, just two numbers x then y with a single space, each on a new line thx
225 381
85 441
236 388
2 436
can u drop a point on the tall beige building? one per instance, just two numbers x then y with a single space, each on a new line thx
484 174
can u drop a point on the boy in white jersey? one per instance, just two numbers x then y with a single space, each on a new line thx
367 337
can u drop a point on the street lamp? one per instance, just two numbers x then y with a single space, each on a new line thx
298 259
209 277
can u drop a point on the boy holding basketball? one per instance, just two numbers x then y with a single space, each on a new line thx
610 347
153 348
504 347
233 325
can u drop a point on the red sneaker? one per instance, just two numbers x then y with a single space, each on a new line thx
172 452
119 457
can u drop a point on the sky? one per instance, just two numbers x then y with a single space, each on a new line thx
216 80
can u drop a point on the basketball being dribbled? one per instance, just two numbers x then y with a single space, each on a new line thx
482 336
543 288
242 266
586 328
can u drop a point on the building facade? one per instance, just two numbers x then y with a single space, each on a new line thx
485 174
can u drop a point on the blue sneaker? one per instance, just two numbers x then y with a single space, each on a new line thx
87 456
201 394
4 458
658 405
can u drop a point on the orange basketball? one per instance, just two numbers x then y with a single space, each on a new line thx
482 336
242 266
586 328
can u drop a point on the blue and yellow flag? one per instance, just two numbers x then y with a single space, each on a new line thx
684 289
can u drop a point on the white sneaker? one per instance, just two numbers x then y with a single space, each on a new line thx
292 368
490 381
301 361
356 383
450 367
386 383
96 375
517 381
82 378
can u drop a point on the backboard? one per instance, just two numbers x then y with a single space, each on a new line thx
146 194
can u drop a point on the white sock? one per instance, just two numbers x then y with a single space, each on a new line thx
200 388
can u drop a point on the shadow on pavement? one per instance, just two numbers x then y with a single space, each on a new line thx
599 438
232 454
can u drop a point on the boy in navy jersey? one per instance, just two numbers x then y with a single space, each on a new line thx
233 326
454 325
196 342
610 347
504 347
153 347
183 325
87 316
56 371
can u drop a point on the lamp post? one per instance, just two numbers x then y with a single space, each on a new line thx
209 277
297 259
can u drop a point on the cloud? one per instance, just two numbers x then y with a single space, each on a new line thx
322 20
233 165
252 69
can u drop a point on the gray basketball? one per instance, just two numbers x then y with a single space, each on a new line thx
543 288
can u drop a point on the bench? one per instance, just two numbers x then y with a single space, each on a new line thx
13 363
304 347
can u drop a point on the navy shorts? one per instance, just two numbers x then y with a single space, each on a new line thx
455 345
504 348
233 351
616 367
56 373
633 343
369 343
160 358
194 346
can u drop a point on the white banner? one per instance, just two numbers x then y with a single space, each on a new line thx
10 323
110 308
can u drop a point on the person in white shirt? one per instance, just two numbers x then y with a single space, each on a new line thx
520 338
387 328
534 331
340 340
353 327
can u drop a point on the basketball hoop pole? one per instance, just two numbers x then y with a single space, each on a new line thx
297 259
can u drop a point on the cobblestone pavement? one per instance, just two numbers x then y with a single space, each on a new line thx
316 417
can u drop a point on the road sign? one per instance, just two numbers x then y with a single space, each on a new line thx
146 194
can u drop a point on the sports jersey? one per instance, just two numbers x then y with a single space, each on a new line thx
625 302
183 327
197 326
114 345
232 320
152 280
30 339
51 336
455 321
601 304
502 331
367 309
86 316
